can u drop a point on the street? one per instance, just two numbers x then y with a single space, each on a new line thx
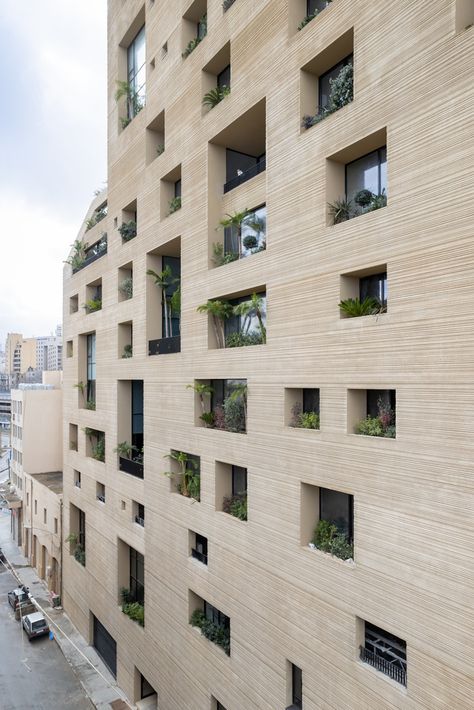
33 676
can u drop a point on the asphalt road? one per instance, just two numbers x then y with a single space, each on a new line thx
33 675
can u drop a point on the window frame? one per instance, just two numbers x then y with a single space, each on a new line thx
379 166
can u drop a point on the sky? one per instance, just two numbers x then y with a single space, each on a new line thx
53 114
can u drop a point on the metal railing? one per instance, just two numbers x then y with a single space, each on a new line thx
93 253
134 468
380 664
246 175
164 346
199 556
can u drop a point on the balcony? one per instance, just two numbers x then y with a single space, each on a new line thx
164 346
92 253
134 468
380 664
245 175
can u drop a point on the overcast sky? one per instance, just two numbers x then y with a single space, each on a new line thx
52 148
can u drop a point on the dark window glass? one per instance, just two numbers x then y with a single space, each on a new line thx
324 82
375 286
385 397
237 163
254 225
223 78
136 61
313 6
219 706
174 262
81 533
141 511
239 480
137 413
202 27
145 688
201 544
216 616
297 682
177 188
311 400
367 173
137 576
337 508
91 377
246 325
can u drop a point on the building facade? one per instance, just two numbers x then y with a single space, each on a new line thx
268 477
36 474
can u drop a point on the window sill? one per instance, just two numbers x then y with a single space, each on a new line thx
364 321
348 564
367 437
385 678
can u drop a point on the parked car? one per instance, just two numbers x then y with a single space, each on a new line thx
35 625
18 596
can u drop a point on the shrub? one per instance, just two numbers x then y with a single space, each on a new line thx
90 404
234 414
191 46
340 210
208 419
306 21
80 554
236 506
238 340
126 287
303 420
363 198
127 351
128 230
355 308
328 538
135 611
370 426
174 205
217 634
215 96
250 241
219 258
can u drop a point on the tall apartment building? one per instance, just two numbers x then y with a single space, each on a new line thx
275 469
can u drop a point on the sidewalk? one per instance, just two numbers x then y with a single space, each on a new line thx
98 683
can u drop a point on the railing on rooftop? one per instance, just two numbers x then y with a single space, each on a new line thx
246 175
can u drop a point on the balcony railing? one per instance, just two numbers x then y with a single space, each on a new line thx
93 253
134 468
140 521
199 556
164 346
246 175
380 664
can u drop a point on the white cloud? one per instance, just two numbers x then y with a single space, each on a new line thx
57 163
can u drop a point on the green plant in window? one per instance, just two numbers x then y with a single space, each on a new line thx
304 420
253 308
78 256
189 483
204 393
191 46
165 280
328 538
215 96
355 308
340 210
160 148
236 505
127 351
219 310
133 101
240 340
226 4
174 205
378 201
219 258
90 404
235 409
235 222
381 425
128 230
92 305
126 287
342 89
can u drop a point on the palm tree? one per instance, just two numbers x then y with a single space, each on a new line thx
134 104
220 311
202 390
187 469
234 221
164 280
248 309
